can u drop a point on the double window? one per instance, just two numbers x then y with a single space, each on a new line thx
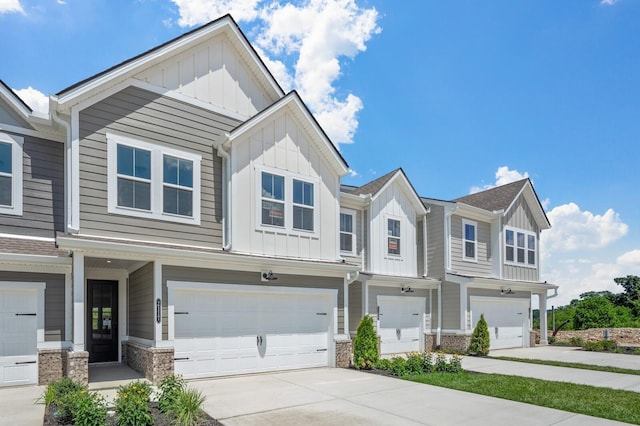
10 174
393 236
520 247
469 240
287 202
347 236
152 181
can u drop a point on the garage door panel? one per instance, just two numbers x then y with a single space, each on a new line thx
400 326
507 321
18 328
239 331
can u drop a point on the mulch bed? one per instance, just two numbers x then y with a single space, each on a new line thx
159 418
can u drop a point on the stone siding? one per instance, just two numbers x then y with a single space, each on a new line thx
344 350
455 342
622 336
533 337
429 342
153 363
51 365
77 366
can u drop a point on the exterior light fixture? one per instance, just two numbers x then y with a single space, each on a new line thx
268 276
406 289
507 291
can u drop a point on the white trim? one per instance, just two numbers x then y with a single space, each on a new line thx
156 180
400 254
526 248
73 153
157 295
79 291
54 137
68 306
16 143
464 240
464 308
354 243
289 177
10 97
27 237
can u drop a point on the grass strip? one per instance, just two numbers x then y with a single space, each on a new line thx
612 404
607 369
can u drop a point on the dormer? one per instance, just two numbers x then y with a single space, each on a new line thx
284 184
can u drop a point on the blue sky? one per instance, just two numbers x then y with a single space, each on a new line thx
463 95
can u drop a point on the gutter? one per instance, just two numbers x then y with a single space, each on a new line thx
226 197
439 329
424 243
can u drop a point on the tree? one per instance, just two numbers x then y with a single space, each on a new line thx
594 312
365 345
480 338
631 296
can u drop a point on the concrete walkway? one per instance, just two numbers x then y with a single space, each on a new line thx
572 354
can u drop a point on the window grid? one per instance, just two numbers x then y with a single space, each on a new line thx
470 240
6 174
346 232
393 237
520 248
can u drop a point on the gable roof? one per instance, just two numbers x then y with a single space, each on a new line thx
300 110
10 97
502 198
134 65
377 186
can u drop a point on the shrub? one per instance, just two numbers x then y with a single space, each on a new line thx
552 340
383 364
62 393
601 346
398 366
89 409
170 389
455 365
427 362
187 409
414 364
480 338
132 404
440 365
576 341
365 345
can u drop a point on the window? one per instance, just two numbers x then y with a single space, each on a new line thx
520 247
272 199
470 241
346 232
10 174
393 236
286 202
302 205
153 181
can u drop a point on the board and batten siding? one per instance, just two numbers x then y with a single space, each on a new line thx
482 267
393 203
148 117
42 190
435 242
219 276
140 315
521 217
54 320
282 145
215 73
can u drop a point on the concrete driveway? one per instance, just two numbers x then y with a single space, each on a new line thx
330 396
572 354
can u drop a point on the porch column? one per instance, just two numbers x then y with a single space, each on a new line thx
345 309
78 302
157 296
543 318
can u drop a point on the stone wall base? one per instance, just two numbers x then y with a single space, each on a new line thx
532 339
622 336
53 364
344 350
429 342
455 342
153 363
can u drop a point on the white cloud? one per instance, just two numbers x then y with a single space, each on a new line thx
353 173
608 2
574 229
313 36
503 176
37 100
195 12
7 6
630 258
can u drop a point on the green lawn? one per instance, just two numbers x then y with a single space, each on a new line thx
607 403
572 365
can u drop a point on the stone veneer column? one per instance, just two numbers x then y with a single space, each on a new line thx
456 343
429 342
77 365
153 363
51 365
344 350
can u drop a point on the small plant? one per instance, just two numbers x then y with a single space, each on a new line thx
170 389
132 405
552 340
365 345
427 362
414 364
89 409
455 365
398 366
441 363
383 364
62 393
576 341
187 409
480 338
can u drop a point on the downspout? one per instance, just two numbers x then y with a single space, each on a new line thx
226 199
439 329
424 243
68 167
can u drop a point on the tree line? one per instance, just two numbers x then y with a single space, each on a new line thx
599 309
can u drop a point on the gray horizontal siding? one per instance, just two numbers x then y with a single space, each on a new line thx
152 118
450 306
435 242
483 266
42 193
355 305
217 276
54 319
140 298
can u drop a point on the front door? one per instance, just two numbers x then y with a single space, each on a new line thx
102 320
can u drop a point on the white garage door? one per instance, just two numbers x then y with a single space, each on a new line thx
231 329
508 320
18 344
400 324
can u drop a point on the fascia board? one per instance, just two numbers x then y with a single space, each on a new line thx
476 213
10 98
497 284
